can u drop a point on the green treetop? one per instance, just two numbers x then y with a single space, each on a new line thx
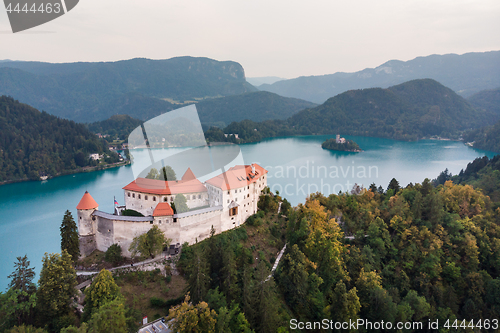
69 236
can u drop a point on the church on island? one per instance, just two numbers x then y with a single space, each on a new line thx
224 202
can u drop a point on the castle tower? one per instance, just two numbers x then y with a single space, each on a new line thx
87 225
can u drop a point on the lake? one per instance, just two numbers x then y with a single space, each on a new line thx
31 212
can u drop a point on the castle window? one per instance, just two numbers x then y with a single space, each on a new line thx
165 199
159 221
150 222
133 195
199 196
228 192
248 186
146 197
154 198
248 195
175 219
128 194
93 218
171 199
194 197
139 196
235 191
227 202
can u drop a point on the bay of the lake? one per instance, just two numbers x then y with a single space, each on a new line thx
31 212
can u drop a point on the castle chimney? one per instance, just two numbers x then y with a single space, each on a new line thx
253 169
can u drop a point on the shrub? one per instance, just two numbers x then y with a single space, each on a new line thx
131 212
114 254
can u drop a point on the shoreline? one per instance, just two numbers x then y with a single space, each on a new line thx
69 172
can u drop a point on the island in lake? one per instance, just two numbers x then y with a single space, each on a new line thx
341 144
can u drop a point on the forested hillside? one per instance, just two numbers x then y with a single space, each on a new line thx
415 254
488 100
409 111
257 106
142 88
466 74
34 143
117 127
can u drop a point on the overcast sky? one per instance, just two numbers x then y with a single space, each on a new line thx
284 38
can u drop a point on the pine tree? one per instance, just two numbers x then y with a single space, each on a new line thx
69 236
22 277
199 278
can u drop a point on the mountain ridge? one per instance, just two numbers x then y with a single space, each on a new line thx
466 74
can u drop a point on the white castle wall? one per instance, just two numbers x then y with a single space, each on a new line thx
100 232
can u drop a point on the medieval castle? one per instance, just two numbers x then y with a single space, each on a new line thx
224 202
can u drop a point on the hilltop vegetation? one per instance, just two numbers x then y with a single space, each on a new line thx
488 100
34 143
142 88
466 74
117 127
257 106
409 111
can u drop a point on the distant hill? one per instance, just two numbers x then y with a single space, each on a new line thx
257 106
466 74
142 88
34 143
409 111
117 127
257 81
487 100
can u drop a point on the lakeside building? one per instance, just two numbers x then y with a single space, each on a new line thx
224 202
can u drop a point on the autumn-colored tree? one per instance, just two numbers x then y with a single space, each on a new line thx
189 318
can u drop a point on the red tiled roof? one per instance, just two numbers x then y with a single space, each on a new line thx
163 209
161 187
87 202
188 175
237 176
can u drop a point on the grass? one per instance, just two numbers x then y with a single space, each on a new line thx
139 287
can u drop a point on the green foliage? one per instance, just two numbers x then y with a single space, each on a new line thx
33 143
150 243
180 203
114 254
167 173
487 138
102 290
69 236
487 100
110 317
118 126
349 145
72 329
56 286
131 212
26 329
22 277
16 307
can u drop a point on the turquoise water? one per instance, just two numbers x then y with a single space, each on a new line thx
31 212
